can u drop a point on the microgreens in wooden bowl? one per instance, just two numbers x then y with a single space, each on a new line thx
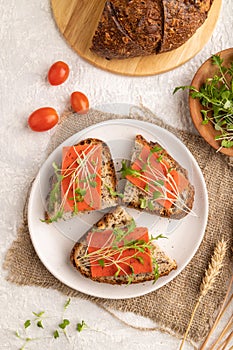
211 101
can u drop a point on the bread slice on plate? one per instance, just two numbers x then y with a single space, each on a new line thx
156 183
115 251
85 181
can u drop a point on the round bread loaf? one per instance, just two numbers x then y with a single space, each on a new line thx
131 28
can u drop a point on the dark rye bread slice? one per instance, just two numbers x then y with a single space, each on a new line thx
181 20
131 28
133 195
128 29
108 176
118 218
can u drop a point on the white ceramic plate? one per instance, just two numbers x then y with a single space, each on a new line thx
54 242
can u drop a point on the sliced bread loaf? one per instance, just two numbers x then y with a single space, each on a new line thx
131 28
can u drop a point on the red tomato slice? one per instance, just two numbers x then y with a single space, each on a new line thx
79 102
58 73
43 119
83 194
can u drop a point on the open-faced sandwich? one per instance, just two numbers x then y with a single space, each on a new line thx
84 182
115 251
156 183
132 28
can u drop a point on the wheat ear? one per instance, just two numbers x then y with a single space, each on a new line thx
208 280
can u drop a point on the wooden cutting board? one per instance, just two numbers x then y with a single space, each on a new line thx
77 21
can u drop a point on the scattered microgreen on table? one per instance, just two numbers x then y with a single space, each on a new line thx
81 326
37 321
65 322
114 193
216 97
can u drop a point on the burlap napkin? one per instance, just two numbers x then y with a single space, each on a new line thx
171 305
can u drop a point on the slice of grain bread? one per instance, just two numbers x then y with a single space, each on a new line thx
108 176
133 195
118 218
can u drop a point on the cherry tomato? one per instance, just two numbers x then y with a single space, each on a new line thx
79 102
43 119
58 73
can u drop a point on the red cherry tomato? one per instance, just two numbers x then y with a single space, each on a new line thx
43 119
79 102
58 73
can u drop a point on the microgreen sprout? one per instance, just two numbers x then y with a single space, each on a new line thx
38 318
111 253
81 326
216 96
125 170
114 193
67 303
37 322
159 236
26 340
65 322
27 324
56 334
40 324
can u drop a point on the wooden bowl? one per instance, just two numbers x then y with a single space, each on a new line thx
207 70
77 21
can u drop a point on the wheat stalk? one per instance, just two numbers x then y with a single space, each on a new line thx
226 342
209 279
224 332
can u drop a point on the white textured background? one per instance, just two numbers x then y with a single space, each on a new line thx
29 44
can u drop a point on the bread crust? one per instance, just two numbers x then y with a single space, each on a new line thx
120 218
133 194
111 40
181 20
